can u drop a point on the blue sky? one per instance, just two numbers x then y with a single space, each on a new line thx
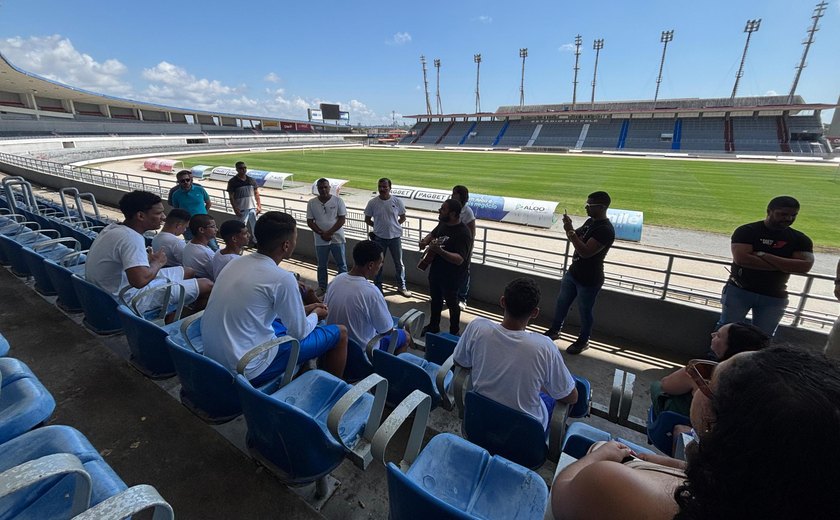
278 58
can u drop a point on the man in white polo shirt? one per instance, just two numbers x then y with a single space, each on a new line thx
386 214
118 258
254 299
325 216
520 369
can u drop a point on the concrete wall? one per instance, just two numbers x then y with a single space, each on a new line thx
669 329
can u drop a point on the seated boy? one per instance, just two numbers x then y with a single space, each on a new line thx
236 236
520 369
197 253
169 240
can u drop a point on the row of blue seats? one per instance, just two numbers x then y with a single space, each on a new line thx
53 471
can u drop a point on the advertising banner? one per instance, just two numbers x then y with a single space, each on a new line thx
315 114
199 169
287 126
537 213
627 223
222 173
269 179
304 127
335 186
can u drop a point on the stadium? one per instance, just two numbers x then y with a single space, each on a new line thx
681 171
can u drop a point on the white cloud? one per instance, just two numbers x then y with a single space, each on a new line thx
483 19
400 38
771 93
566 47
171 84
272 78
54 57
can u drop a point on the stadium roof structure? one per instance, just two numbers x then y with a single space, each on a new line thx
31 86
673 107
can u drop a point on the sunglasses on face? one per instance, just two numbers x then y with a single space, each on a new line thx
700 371
587 206
184 181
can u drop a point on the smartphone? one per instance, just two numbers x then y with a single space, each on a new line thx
565 213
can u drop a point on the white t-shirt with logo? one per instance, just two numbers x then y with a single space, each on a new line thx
325 214
386 214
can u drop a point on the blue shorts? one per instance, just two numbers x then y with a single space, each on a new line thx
315 345
385 342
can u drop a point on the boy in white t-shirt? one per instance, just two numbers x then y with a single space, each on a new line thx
169 240
236 236
197 253
520 369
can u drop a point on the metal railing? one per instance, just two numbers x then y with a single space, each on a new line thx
665 275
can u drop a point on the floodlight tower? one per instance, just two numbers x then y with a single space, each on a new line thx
819 11
523 53
666 38
751 27
437 69
597 46
477 60
578 42
426 85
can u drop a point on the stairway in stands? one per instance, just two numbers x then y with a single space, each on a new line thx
421 133
782 132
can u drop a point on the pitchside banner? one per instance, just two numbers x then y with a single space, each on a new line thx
627 223
539 213
262 177
335 186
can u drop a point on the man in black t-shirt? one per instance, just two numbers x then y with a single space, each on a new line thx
244 197
764 253
451 243
585 277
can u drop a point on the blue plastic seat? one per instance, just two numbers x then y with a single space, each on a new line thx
147 344
455 479
360 357
24 404
358 365
660 429
439 346
12 247
12 369
61 279
406 373
52 497
100 308
580 436
4 346
35 256
516 435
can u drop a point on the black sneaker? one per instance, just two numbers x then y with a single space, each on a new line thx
427 329
577 347
405 292
553 334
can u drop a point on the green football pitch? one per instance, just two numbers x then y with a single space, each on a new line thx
691 194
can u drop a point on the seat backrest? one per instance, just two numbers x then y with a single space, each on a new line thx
403 377
583 405
147 343
60 277
408 499
207 388
660 429
24 404
513 434
100 307
305 453
358 365
439 346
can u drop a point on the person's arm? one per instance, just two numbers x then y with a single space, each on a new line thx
313 226
233 204
572 398
471 227
328 234
450 256
802 261
207 203
140 276
585 249
257 197
369 220
677 383
401 218
837 282
662 460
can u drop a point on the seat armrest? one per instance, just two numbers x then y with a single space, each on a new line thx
373 344
34 471
557 429
130 502
360 453
413 320
185 325
418 402
453 396
64 240
268 345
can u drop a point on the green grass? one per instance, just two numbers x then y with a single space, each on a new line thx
689 194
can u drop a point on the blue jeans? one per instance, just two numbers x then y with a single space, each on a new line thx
464 290
323 254
767 311
249 218
571 289
394 246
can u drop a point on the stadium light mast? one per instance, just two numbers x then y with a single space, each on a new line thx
523 53
426 85
819 11
578 43
751 27
597 46
477 60
437 69
667 37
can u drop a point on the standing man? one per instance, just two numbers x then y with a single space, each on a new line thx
325 216
386 215
832 347
585 277
764 253
192 198
450 243
462 195
244 197
512 366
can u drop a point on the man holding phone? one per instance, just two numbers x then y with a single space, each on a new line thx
584 278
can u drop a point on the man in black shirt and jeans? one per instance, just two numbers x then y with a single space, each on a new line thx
764 253
451 243
585 277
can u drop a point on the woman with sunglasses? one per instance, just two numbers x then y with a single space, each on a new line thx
673 392
768 429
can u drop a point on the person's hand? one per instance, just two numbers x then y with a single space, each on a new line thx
613 451
567 223
319 309
435 246
158 258
237 213
259 209
326 235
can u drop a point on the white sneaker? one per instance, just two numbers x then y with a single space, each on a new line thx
462 305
